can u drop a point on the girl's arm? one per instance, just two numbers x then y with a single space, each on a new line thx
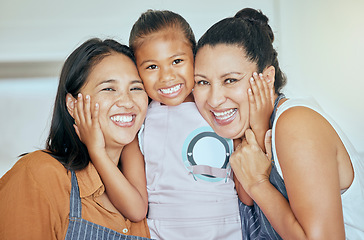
261 101
128 194
133 167
306 145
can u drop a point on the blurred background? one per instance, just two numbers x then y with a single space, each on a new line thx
320 46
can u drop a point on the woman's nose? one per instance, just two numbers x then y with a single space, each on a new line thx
216 97
125 100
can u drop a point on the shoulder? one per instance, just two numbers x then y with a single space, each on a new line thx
301 116
302 126
301 132
42 163
39 170
37 191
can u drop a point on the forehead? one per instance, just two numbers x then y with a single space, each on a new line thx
167 39
223 58
115 66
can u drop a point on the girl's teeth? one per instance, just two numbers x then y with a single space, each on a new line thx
122 119
224 115
171 90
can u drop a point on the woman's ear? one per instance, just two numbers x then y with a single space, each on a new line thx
70 103
269 74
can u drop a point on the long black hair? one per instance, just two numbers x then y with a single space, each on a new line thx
250 30
63 142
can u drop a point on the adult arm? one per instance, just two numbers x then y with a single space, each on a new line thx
306 146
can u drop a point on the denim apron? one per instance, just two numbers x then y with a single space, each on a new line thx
79 228
254 223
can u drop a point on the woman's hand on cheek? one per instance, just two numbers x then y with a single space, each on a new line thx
87 124
261 103
250 164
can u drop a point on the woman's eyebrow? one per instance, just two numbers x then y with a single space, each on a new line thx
229 73
136 81
107 81
200 75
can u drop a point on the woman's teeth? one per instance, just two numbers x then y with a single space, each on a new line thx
171 90
122 118
224 115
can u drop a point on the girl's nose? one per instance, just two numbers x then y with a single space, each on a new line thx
167 74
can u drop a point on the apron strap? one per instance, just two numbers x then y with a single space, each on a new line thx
75 200
273 116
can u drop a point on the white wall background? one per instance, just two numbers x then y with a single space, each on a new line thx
320 45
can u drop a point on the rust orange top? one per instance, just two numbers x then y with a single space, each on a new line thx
35 200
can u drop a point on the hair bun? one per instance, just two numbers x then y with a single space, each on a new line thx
256 17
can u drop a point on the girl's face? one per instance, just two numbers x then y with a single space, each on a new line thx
222 74
115 85
165 64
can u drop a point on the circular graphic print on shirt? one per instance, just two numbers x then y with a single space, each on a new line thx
206 155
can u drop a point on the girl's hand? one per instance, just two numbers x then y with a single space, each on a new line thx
250 164
261 103
87 124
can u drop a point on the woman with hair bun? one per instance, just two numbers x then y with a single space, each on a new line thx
311 184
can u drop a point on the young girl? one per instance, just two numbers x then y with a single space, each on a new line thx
189 181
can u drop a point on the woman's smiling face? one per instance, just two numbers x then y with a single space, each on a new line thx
222 74
114 84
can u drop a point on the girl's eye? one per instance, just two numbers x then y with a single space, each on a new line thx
230 80
202 82
152 67
177 61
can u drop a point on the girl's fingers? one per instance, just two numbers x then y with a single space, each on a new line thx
95 115
75 113
80 110
251 99
87 109
255 89
263 90
266 88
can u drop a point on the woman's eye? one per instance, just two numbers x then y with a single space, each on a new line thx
177 61
137 89
230 80
152 67
107 89
202 82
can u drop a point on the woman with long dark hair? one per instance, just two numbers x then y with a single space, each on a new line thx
57 193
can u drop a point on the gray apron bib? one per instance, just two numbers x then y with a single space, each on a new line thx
254 223
79 228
